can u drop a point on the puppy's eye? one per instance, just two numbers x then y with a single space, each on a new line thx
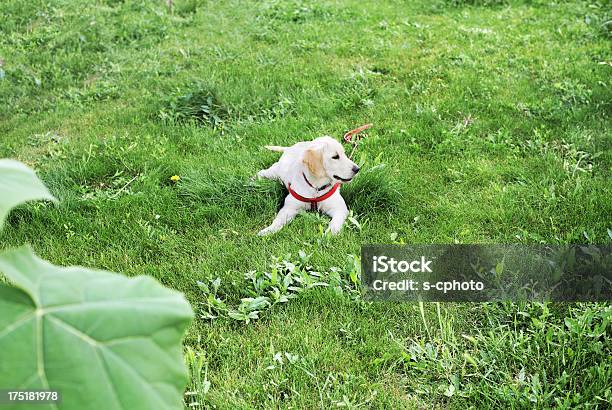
336 156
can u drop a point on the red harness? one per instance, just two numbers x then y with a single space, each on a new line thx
314 201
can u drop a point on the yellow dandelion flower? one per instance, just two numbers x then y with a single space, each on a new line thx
175 178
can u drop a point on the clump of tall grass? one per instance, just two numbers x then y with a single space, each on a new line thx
373 191
228 191
199 104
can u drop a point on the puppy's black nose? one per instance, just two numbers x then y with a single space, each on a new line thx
355 169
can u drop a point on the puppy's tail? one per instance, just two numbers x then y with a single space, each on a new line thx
276 148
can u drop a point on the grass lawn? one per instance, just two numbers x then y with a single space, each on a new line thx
491 125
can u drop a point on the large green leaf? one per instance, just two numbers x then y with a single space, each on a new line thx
103 340
18 184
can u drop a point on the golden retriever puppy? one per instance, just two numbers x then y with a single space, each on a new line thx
312 172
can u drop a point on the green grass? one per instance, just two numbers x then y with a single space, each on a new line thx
492 120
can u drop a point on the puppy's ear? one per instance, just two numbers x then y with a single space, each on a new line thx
314 161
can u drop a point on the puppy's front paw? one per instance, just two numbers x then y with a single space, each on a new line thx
334 229
264 232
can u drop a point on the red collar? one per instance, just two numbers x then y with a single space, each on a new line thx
314 201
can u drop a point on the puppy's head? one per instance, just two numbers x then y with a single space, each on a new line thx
325 157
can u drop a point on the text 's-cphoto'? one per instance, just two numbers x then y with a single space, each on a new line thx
305 204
